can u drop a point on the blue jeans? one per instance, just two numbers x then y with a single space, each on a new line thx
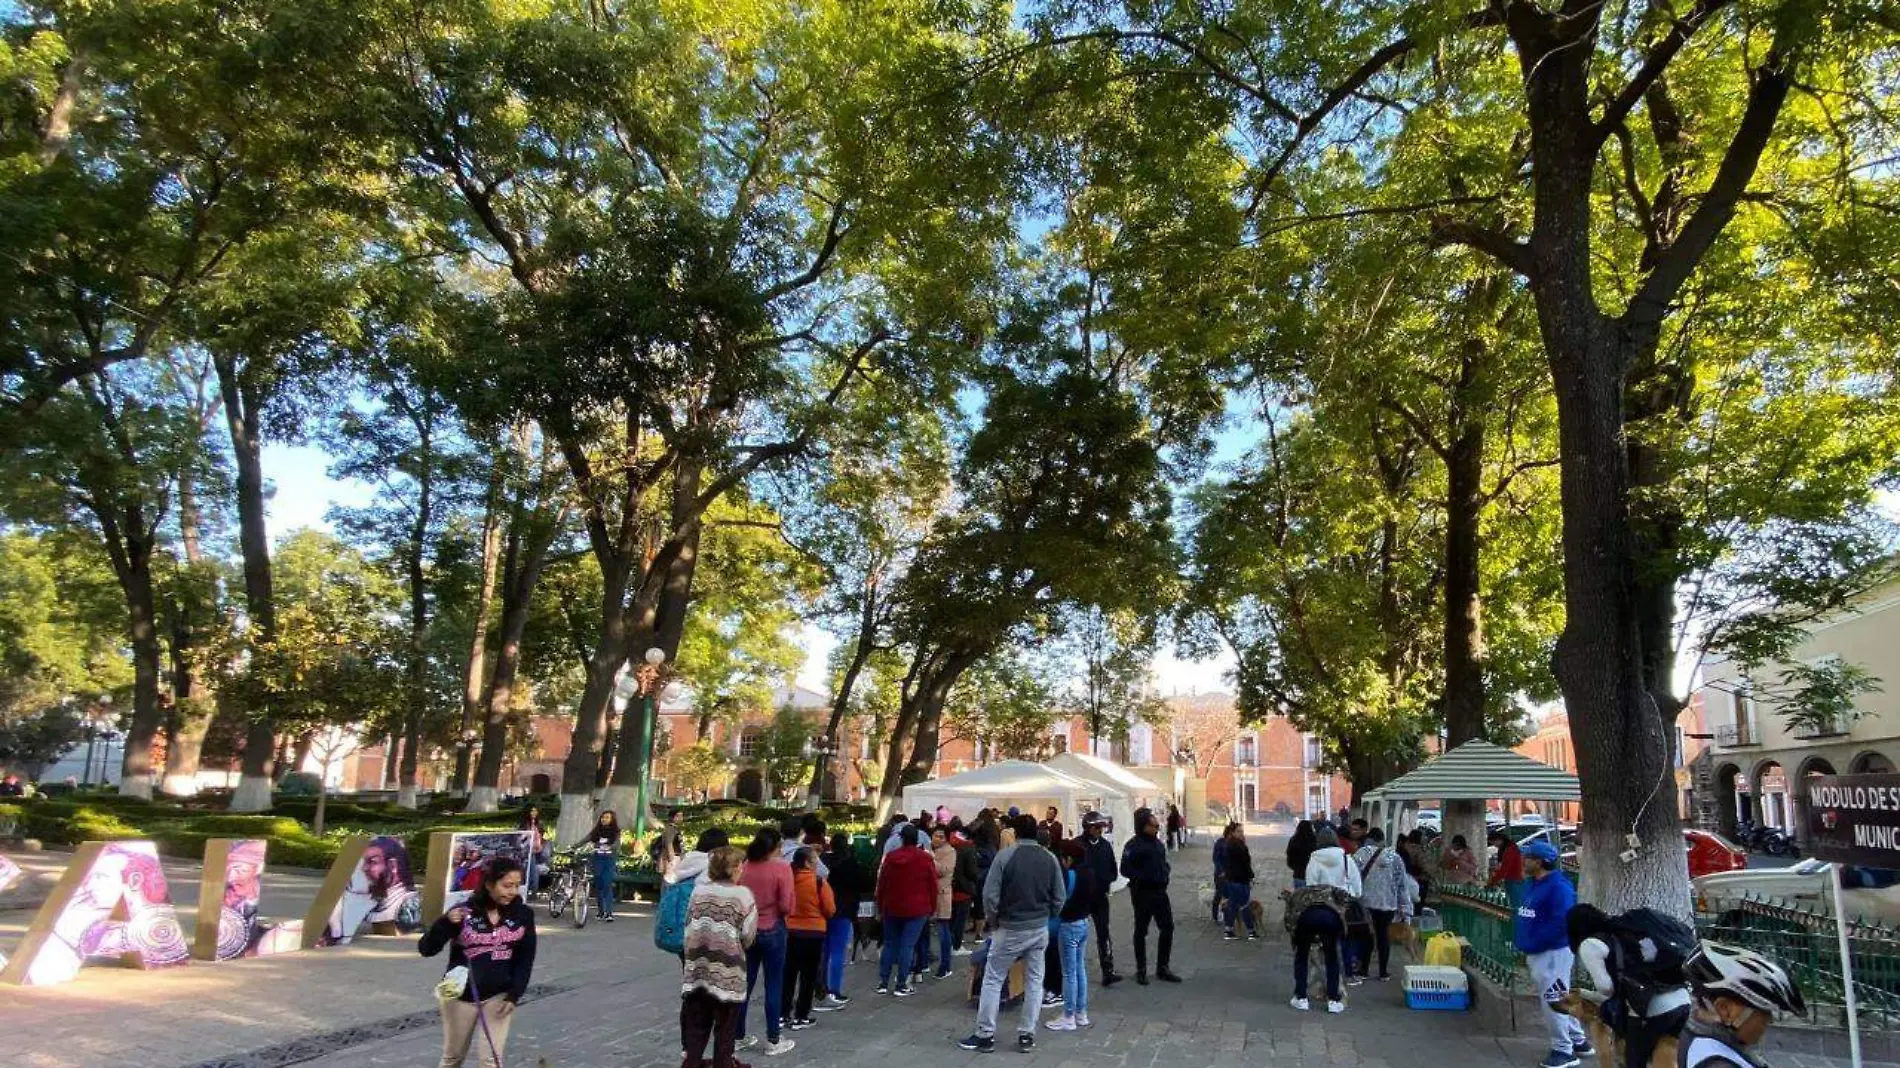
900 941
1322 925
943 947
1238 894
920 957
605 869
767 954
1075 974
837 952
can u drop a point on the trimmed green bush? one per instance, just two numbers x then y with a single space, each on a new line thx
301 784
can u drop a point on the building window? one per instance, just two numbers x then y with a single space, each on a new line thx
750 740
1059 742
1247 751
1140 745
1315 753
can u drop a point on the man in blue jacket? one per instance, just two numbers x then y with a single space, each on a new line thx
1543 936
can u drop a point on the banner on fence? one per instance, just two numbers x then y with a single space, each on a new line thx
1855 819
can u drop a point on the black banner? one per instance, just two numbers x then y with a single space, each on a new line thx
1855 819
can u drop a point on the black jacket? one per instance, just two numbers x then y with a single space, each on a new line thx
1297 854
1145 862
1099 857
848 883
968 877
1082 899
1239 863
500 958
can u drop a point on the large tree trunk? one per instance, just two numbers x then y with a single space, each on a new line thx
579 771
193 701
131 545
242 416
841 701
640 718
897 745
476 669
1464 606
527 553
416 687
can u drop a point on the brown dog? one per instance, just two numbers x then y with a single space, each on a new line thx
1609 1047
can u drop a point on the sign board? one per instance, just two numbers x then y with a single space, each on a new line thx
1855 819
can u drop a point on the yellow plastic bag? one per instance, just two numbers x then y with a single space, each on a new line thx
1445 949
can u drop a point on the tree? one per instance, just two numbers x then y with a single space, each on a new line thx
62 627
1111 652
1203 727
784 753
1602 168
1005 708
700 767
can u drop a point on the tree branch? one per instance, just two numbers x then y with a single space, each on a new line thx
834 234
1653 65
1498 244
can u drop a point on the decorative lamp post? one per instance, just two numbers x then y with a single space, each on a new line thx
646 681
821 747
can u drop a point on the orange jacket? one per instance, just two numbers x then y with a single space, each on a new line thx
814 903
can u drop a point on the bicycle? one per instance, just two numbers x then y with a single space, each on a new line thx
573 882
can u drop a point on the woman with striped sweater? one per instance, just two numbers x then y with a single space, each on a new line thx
721 922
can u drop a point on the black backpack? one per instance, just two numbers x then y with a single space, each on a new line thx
1639 979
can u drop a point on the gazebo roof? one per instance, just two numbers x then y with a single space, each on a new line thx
1480 771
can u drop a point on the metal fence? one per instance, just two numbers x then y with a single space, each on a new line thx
1802 941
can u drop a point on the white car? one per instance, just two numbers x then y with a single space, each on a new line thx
1530 819
1428 818
1804 886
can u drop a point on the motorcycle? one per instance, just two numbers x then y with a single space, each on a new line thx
1764 839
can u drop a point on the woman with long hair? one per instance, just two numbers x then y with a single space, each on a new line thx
605 839
769 878
1299 850
538 852
1238 889
492 935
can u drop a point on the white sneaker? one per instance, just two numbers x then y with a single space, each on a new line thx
749 1042
783 1045
1081 1020
828 1003
1335 1007
1301 1004
1061 1023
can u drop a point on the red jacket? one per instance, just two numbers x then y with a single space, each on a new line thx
907 884
1510 865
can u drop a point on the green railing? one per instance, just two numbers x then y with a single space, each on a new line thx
1484 919
1805 943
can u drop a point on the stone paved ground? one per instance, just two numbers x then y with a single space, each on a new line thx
607 997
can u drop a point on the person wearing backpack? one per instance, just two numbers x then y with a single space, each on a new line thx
669 923
1387 898
1637 960
1543 936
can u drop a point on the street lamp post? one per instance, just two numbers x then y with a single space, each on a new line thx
822 747
646 682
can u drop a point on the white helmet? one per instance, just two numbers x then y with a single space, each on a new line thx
1746 975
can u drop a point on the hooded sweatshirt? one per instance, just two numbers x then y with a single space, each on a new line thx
691 866
1329 867
814 906
1543 916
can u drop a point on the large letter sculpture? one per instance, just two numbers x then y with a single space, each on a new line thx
229 925
456 859
111 903
370 882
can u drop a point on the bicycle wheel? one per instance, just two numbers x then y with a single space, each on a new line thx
583 901
558 893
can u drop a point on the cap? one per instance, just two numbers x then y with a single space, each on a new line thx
1539 849
1014 811
1094 819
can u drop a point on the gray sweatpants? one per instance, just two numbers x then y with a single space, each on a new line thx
1550 977
1009 945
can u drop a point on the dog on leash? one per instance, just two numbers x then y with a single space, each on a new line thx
866 930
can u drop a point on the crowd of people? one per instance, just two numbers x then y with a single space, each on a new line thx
780 920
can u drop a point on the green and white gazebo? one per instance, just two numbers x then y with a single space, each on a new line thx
1474 771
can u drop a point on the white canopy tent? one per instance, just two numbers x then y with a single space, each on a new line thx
1474 771
1031 787
1137 792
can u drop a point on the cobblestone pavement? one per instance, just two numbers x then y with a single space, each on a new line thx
604 996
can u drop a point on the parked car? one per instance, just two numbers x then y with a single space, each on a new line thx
1710 853
1870 893
1429 819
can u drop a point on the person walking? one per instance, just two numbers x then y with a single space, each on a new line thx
539 854
492 936
1386 896
1073 936
1543 936
1299 849
848 884
1176 825
1648 992
1099 858
604 840
812 908
1458 864
1145 865
1023 892
906 896
770 879
722 923
1329 866
1220 868
1239 886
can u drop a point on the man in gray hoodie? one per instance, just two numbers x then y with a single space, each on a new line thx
1023 894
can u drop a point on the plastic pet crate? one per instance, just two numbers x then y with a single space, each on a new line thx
1435 988
1428 921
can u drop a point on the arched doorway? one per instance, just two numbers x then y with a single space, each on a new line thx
1731 799
751 786
1770 789
1809 768
541 784
1871 763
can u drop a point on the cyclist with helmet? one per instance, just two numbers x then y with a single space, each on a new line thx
1738 993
